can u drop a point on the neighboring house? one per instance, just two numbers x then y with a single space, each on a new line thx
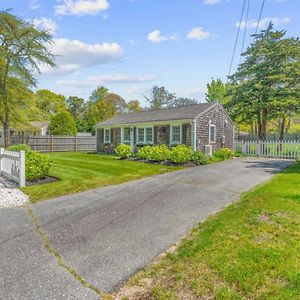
31 129
193 125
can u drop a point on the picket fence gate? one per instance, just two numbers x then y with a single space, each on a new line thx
12 165
275 149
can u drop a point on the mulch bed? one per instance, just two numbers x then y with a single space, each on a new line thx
164 163
47 179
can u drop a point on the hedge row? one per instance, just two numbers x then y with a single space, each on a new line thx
179 154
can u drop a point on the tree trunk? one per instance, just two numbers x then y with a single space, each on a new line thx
263 126
282 128
6 127
288 126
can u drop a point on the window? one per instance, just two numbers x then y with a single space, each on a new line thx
126 135
106 136
149 135
145 135
141 136
212 133
176 134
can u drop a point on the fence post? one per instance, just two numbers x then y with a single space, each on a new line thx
1 153
258 148
244 148
22 169
75 143
51 147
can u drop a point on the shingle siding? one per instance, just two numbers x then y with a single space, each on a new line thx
216 116
115 138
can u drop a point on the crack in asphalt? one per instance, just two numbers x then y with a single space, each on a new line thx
58 257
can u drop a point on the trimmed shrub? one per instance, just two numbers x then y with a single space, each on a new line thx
37 165
19 147
199 158
181 154
160 153
123 150
239 154
214 159
223 153
145 152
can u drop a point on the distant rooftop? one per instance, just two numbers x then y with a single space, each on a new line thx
186 112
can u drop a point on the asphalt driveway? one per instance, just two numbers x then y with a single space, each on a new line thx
107 234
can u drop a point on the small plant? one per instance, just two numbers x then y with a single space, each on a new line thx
19 147
160 153
181 154
238 154
145 152
200 158
223 153
123 150
37 165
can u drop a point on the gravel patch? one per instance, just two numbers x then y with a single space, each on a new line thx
10 195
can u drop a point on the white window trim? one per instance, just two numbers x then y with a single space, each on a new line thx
209 133
145 142
171 134
105 140
122 135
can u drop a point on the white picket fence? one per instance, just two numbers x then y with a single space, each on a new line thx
276 149
12 165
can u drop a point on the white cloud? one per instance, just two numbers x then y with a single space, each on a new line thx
156 37
73 55
264 22
33 4
197 33
45 23
81 7
211 2
108 78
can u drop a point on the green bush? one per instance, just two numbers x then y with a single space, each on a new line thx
214 159
19 147
145 152
223 153
200 158
123 150
160 153
37 165
181 154
239 154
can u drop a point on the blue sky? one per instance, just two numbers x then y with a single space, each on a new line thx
131 45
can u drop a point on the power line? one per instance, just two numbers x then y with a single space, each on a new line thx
260 15
237 37
245 30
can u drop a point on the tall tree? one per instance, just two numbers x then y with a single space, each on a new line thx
49 103
134 106
103 105
218 91
267 83
22 48
183 101
62 123
76 106
159 98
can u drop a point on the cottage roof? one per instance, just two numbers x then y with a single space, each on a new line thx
186 112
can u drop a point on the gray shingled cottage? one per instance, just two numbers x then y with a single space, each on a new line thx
193 125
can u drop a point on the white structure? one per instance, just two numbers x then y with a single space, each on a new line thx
12 165
276 149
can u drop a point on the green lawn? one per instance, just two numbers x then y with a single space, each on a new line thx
79 172
250 250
